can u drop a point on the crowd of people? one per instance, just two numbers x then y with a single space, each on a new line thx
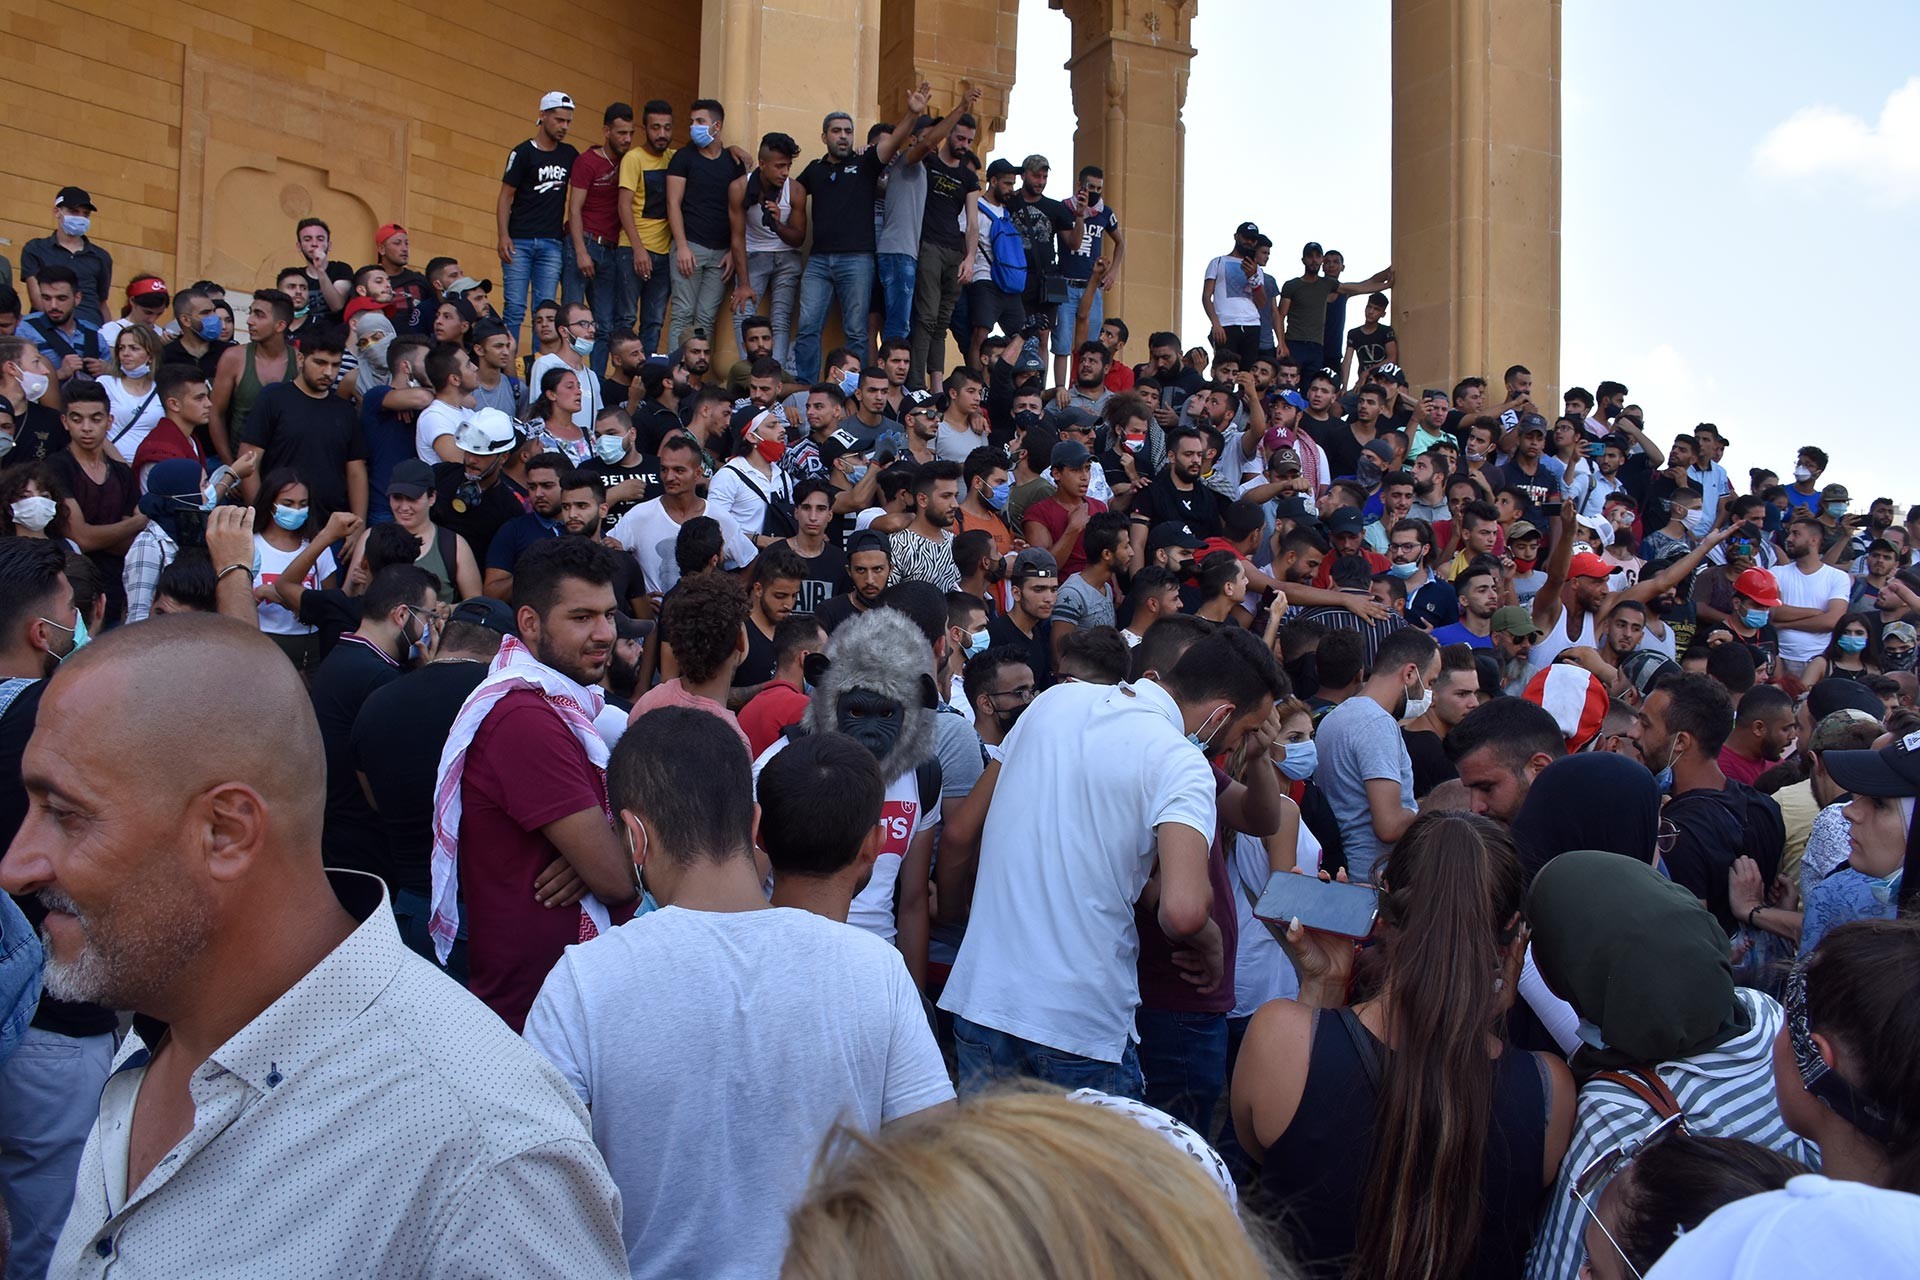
541 803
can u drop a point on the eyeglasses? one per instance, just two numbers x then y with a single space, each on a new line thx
1024 693
1602 1168
1669 836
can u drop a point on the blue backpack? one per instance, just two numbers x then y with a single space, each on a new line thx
1009 252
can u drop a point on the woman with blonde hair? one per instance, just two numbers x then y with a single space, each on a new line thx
132 391
1026 1184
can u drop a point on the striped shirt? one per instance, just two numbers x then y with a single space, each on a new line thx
1334 618
918 559
1725 1092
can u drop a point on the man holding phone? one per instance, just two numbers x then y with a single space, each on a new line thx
1087 274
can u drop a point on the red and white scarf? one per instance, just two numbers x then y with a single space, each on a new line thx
513 668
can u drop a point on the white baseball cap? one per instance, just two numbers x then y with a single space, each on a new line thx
485 433
1812 1226
556 101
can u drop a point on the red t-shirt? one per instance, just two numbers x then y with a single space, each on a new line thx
1741 769
166 441
524 769
1120 378
1161 986
769 712
1050 513
600 215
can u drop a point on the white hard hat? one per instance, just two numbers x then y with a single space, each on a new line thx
485 433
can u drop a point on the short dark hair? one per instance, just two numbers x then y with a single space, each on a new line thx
1761 701
189 580
1230 663
56 273
1218 571
1697 705
388 543
1407 645
697 543
30 570
796 632
983 667
616 111
1516 730
1350 573
1167 641
1340 658
983 462
541 569
807 488
921 603
1163 338
933 473
443 362
781 144
323 342
87 391
1119 326
397 584
576 478
709 105
278 301
1105 532
1734 668
688 774
778 561
755 322
656 107
1097 655
820 796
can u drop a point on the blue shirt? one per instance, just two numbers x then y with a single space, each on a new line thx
389 442
1843 897
515 536
1458 634
56 345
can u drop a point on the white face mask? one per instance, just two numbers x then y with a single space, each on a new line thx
33 385
1417 707
34 513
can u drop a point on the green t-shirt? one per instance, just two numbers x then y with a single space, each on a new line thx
1307 317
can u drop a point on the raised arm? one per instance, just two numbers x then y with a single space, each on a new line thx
916 107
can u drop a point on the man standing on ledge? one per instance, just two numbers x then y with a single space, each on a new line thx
531 211
279 1022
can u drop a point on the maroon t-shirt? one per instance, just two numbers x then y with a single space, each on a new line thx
1049 512
524 769
1161 986
600 212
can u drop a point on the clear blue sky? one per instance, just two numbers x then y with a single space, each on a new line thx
1742 190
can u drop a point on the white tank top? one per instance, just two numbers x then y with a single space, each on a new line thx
760 237
1555 642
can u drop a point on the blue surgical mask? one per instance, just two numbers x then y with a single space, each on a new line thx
583 345
1302 759
609 449
1205 734
857 474
300 313
415 648
1403 570
850 381
1836 508
701 134
75 224
210 326
977 642
1755 618
137 371
1882 889
1853 644
998 496
78 630
289 518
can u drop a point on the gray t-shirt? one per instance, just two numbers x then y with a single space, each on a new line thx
1359 740
1082 604
906 207
957 745
502 397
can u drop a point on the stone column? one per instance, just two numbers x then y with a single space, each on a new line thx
1129 71
1476 190
954 45
782 65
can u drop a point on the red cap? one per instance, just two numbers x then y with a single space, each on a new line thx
1758 586
1577 701
387 233
1588 565
151 286
357 305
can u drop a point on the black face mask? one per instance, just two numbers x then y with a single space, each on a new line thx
871 719
1026 418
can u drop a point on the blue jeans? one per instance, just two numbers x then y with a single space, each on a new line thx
1312 358
602 294
987 1056
775 278
897 273
49 1096
847 277
648 298
1069 314
535 262
1184 1059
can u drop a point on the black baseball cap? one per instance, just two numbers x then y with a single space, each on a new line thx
1246 231
1311 246
1346 520
483 611
1893 770
1171 533
1071 455
74 198
1001 167
411 478
869 540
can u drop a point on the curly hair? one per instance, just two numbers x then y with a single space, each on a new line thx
702 624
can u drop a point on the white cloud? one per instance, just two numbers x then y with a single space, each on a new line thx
1824 142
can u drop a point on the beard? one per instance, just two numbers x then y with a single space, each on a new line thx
123 960
572 666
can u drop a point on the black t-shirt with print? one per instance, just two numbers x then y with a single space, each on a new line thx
842 192
1370 348
1198 508
703 207
1040 222
646 468
1540 487
947 189
539 179
826 576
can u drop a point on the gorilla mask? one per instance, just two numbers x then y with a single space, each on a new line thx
874 684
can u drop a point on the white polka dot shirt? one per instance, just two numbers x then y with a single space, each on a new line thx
375 1121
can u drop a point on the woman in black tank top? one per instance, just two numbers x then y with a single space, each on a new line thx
1399 1138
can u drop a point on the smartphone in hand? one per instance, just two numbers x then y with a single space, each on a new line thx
1326 905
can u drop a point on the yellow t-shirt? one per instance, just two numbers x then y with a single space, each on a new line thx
645 175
